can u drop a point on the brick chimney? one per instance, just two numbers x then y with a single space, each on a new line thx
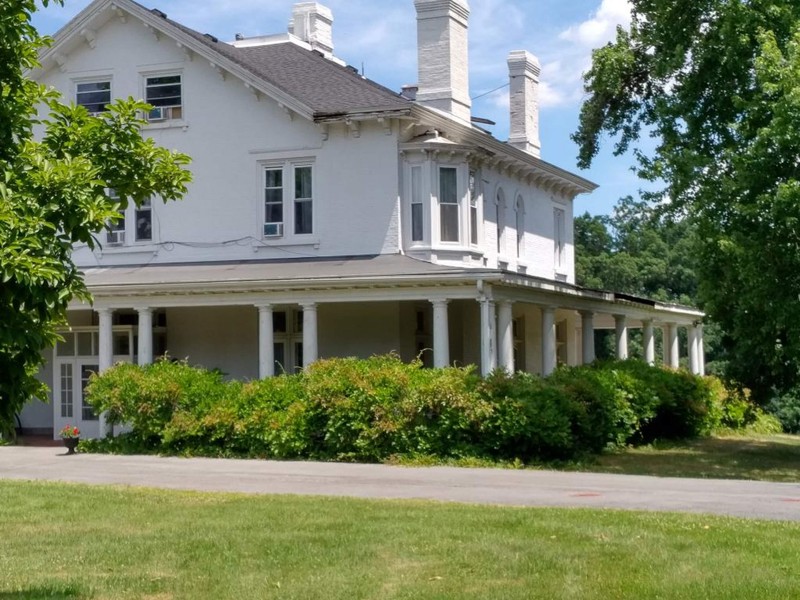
443 60
524 70
313 23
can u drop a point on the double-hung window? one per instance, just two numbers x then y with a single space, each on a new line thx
559 234
288 199
94 96
165 94
133 224
143 215
520 227
303 200
417 230
448 204
473 208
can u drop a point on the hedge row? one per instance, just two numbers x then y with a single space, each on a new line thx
369 410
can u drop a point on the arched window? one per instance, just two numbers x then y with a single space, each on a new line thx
520 208
501 221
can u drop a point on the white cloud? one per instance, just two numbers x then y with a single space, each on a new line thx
601 27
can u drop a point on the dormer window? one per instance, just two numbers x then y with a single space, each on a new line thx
94 96
164 93
448 204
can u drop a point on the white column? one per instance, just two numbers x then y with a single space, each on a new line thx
106 353
587 336
441 334
621 326
693 358
672 354
701 350
505 335
145 336
266 342
548 340
649 342
310 349
488 338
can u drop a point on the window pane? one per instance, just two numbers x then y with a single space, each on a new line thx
298 357
280 357
94 96
87 412
302 182
302 216
66 390
121 344
85 344
449 217
273 178
273 213
448 192
279 322
144 223
416 184
67 347
416 223
164 91
473 225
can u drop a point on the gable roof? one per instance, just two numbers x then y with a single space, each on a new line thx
298 71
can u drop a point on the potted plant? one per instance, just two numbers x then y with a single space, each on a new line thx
70 435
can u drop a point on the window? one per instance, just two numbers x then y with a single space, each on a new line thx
87 412
520 227
143 215
448 204
94 96
473 209
288 199
273 202
303 203
164 93
558 237
501 220
66 390
287 327
417 232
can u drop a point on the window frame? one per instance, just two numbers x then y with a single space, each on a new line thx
519 208
164 112
474 207
288 227
89 81
417 204
453 206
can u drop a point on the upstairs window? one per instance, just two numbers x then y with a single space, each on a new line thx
417 231
520 227
303 200
164 93
559 241
143 216
273 202
501 221
93 96
135 224
115 235
448 204
473 208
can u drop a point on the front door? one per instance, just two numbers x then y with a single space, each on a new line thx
71 378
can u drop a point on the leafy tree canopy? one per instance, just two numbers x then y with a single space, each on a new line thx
715 83
53 194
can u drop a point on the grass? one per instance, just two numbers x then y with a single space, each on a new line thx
757 457
74 542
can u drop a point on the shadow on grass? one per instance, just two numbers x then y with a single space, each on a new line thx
55 592
769 458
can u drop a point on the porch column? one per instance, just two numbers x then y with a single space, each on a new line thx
548 340
488 325
145 336
105 354
266 342
310 349
505 334
701 350
649 342
441 334
587 336
621 326
693 358
671 349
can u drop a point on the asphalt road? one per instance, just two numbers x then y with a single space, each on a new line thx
750 499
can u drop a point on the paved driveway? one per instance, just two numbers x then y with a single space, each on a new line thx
780 501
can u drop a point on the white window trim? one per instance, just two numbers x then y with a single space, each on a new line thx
288 166
129 241
169 122
93 79
461 201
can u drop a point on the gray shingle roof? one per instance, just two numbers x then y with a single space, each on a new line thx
321 84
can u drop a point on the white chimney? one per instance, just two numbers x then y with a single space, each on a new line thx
442 47
524 70
313 23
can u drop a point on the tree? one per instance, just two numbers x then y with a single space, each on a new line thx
53 194
715 83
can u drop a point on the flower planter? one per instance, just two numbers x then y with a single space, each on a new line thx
70 444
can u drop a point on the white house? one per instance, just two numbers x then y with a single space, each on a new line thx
329 216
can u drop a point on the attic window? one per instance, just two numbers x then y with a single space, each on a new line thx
94 96
164 93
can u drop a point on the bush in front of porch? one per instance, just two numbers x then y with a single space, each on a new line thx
371 410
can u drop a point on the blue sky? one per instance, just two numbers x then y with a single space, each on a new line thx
381 36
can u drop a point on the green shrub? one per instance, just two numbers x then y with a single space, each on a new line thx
786 408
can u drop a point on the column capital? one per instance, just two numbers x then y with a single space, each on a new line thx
103 310
308 306
144 309
586 314
262 308
440 301
620 317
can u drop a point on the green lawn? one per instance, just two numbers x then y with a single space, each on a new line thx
766 458
71 541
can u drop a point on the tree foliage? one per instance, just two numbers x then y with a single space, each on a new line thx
715 83
53 194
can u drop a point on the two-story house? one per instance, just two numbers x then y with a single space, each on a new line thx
329 216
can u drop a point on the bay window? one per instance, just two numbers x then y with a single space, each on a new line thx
417 232
448 204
